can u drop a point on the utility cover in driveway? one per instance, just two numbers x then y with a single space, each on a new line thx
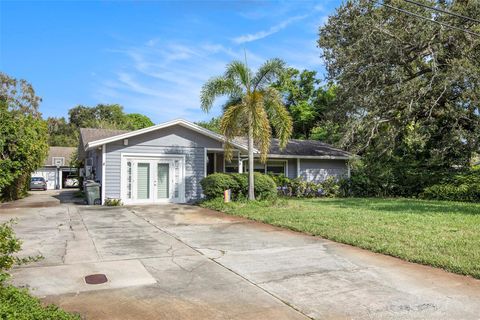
71 278
96 278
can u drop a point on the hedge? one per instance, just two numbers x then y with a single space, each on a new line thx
215 184
460 187
18 304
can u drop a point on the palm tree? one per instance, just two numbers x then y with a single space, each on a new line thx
253 108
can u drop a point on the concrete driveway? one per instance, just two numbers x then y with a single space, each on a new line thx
184 262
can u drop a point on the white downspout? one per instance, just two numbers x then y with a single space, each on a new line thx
104 164
298 167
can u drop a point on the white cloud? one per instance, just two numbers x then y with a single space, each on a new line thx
164 79
265 33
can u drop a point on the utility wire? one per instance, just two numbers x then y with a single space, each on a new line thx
442 11
426 18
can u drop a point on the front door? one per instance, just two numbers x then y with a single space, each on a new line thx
152 180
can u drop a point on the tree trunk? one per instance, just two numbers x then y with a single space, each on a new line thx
251 186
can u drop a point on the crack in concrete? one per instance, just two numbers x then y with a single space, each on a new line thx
307 274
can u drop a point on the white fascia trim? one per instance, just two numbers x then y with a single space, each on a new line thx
182 122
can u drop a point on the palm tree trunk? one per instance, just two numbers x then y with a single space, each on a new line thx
251 188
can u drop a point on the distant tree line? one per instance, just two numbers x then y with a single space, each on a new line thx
63 132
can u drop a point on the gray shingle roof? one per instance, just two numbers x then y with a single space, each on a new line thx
90 134
294 147
303 148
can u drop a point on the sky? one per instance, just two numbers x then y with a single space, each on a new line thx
151 57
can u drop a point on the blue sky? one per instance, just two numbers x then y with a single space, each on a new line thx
152 57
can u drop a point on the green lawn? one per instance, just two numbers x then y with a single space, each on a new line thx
437 233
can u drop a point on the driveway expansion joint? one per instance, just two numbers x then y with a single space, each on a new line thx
224 267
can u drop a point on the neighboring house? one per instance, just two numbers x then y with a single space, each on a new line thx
165 162
56 167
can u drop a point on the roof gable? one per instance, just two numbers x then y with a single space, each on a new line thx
59 152
110 135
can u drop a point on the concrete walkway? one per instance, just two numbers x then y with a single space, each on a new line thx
184 262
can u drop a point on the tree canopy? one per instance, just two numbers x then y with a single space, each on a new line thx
23 136
106 116
308 102
408 89
213 124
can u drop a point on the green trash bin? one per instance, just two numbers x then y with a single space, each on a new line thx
92 191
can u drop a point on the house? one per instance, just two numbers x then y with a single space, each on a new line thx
56 167
166 162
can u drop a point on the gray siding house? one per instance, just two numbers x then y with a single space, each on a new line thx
165 162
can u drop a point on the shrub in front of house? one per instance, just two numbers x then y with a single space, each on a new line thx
265 187
215 184
241 191
306 189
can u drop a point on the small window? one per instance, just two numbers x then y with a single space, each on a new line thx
257 167
276 167
231 167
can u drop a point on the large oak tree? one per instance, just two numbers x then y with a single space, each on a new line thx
408 89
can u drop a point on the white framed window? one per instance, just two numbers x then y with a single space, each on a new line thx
276 167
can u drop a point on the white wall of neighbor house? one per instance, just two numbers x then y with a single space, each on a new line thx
317 170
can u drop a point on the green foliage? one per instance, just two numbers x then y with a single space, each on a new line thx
254 108
407 94
307 101
265 187
306 189
106 116
212 125
241 192
215 184
23 137
461 187
9 245
110 202
61 133
18 304
135 121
